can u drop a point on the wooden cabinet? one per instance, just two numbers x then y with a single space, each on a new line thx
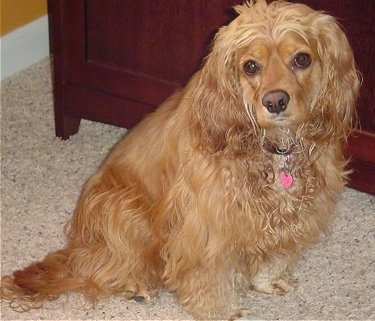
116 60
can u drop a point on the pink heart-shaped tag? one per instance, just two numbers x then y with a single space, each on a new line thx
286 179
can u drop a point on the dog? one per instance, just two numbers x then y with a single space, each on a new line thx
219 190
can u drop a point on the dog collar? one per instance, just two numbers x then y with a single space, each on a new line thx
285 176
278 151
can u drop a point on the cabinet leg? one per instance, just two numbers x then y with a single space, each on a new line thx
66 126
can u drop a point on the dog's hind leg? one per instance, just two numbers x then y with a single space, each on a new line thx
107 252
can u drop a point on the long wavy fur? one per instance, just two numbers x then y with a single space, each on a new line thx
190 200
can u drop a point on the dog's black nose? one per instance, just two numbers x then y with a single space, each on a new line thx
276 101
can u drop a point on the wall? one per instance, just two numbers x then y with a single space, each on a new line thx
24 34
17 13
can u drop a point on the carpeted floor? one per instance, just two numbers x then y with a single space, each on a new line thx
41 178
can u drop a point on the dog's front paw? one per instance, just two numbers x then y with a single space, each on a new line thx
244 314
137 293
280 286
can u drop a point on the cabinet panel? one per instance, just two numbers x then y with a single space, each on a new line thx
142 50
82 67
156 39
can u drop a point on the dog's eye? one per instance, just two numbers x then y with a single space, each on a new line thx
302 60
251 68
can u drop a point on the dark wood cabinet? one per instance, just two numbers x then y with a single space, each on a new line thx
116 60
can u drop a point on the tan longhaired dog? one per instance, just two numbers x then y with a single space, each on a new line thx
220 189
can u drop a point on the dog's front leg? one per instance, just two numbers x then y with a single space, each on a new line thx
203 290
274 276
198 272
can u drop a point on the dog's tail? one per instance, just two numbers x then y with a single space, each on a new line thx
44 281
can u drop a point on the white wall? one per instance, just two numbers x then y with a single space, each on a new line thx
24 46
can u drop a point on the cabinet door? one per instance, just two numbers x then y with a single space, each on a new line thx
116 60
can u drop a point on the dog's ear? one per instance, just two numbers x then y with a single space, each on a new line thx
340 79
221 119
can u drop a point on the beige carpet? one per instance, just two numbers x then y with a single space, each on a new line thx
41 179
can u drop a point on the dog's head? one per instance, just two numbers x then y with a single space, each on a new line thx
281 69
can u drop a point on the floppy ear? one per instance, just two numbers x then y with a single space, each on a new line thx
221 120
340 79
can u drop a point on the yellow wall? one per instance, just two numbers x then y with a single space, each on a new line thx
17 13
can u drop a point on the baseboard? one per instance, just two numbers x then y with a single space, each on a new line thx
24 46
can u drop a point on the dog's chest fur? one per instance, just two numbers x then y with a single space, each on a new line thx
271 217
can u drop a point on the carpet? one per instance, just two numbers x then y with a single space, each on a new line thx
41 179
